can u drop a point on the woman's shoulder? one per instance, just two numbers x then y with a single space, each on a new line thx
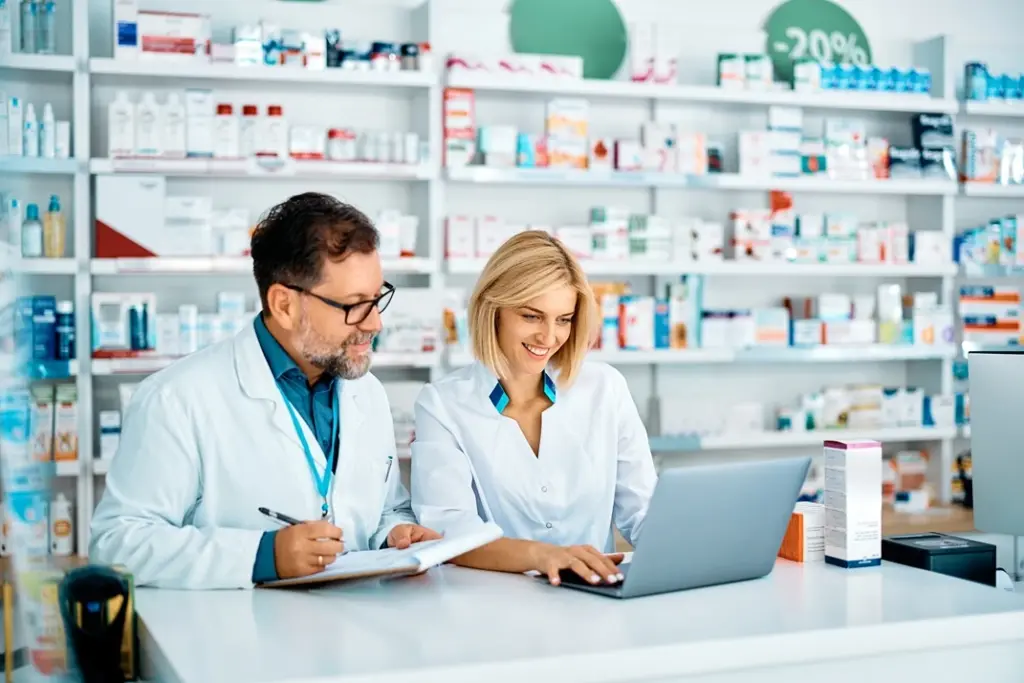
599 377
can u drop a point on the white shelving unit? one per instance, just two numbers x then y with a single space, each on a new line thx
87 72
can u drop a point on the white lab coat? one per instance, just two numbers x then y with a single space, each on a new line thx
207 442
471 464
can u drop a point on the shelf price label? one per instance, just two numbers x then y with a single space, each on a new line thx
813 29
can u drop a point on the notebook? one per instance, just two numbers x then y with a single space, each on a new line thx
392 562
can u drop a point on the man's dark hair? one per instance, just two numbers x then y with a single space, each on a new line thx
294 238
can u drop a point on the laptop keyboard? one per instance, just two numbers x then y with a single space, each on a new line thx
569 576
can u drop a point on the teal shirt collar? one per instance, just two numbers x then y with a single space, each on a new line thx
281 364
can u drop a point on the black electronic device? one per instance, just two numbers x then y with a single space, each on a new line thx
95 607
949 555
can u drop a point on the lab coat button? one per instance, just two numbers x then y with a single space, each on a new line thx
544 489
548 525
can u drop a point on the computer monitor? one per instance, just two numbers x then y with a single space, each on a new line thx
997 440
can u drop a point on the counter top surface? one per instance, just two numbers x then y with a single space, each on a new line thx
455 624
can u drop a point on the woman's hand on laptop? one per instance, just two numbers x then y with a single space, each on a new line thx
587 561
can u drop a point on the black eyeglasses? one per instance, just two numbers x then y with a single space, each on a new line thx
360 310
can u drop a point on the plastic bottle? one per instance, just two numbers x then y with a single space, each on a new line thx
172 136
121 122
29 32
46 27
48 134
31 128
61 526
6 39
32 233
54 230
65 330
147 126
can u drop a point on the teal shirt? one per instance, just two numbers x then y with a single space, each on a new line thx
315 404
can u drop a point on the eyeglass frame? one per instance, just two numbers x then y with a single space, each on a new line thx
347 308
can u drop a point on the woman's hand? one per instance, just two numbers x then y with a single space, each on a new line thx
585 560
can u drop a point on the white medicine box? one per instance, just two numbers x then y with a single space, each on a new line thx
853 503
130 216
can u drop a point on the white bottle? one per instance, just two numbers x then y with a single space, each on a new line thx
251 128
147 126
31 128
227 143
48 134
6 38
61 526
121 126
172 135
275 137
32 233
15 134
4 143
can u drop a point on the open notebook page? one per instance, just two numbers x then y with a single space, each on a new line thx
419 555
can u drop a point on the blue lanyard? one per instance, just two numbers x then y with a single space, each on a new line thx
323 484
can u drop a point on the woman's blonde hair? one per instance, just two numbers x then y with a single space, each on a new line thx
523 268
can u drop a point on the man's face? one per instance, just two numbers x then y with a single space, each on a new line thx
323 338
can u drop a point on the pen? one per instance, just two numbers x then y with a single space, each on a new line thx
285 519
280 517
387 474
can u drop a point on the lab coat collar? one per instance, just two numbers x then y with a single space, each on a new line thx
257 382
496 392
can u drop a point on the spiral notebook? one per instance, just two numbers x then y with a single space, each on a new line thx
391 562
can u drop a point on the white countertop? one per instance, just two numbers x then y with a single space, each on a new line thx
456 625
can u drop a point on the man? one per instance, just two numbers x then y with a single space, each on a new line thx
283 417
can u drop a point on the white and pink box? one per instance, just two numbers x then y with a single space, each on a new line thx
853 503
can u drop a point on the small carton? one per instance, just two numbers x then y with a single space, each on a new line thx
853 503
805 536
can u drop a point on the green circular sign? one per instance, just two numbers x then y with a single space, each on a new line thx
591 29
813 29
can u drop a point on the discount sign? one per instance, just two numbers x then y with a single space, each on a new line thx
813 29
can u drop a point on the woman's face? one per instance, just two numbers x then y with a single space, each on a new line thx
530 335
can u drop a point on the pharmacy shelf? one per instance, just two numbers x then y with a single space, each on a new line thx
993 190
971 271
38 166
1004 109
20 62
908 187
822 354
289 169
737 269
150 364
232 73
593 88
213 265
710 181
45 266
757 440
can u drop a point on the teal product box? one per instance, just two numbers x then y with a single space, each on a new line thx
900 79
847 77
886 80
963 409
662 325
526 151
995 87
1011 87
975 81
829 76
44 328
873 78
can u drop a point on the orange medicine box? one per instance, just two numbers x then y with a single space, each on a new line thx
805 536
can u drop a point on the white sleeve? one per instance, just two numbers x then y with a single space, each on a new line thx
397 506
143 521
635 475
443 492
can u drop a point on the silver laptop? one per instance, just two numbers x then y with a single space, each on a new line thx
708 525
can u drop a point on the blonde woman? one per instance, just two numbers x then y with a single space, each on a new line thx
531 437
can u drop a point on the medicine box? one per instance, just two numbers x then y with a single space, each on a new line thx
130 221
805 536
853 503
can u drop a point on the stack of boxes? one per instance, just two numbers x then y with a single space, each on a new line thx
991 315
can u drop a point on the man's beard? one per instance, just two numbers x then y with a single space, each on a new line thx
331 357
